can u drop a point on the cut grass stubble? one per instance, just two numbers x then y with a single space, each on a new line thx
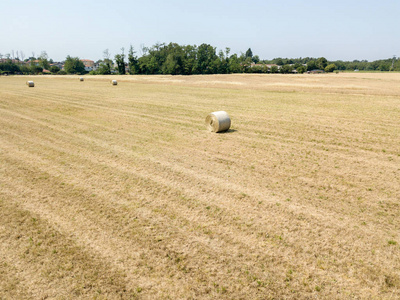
122 192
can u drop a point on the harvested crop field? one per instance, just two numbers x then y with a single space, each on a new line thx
120 192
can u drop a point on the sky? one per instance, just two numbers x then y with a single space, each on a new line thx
345 30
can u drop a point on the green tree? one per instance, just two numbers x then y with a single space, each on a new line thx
35 69
173 57
249 53
322 63
148 65
274 69
105 67
301 69
330 68
9 67
234 65
246 64
120 60
227 51
279 61
286 69
73 65
189 61
25 69
256 59
54 69
205 56
133 63
296 65
43 60
311 65
384 66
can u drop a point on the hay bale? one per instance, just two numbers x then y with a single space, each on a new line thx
81 78
114 82
30 83
218 121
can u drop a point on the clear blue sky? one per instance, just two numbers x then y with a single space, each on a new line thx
347 30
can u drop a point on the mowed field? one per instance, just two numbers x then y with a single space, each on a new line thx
120 192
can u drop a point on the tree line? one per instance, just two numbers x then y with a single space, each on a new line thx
175 59
389 64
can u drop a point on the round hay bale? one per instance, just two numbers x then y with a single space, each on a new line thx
218 121
30 83
114 82
81 78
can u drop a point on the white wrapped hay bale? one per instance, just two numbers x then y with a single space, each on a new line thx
114 82
218 121
30 83
80 78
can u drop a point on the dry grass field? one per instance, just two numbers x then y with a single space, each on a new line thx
119 192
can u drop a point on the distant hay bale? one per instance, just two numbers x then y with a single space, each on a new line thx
114 82
81 78
30 83
218 121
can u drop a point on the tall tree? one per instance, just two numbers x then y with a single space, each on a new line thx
205 56
234 65
120 60
249 53
173 63
133 63
107 60
105 67
227 51
43 60
189 61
